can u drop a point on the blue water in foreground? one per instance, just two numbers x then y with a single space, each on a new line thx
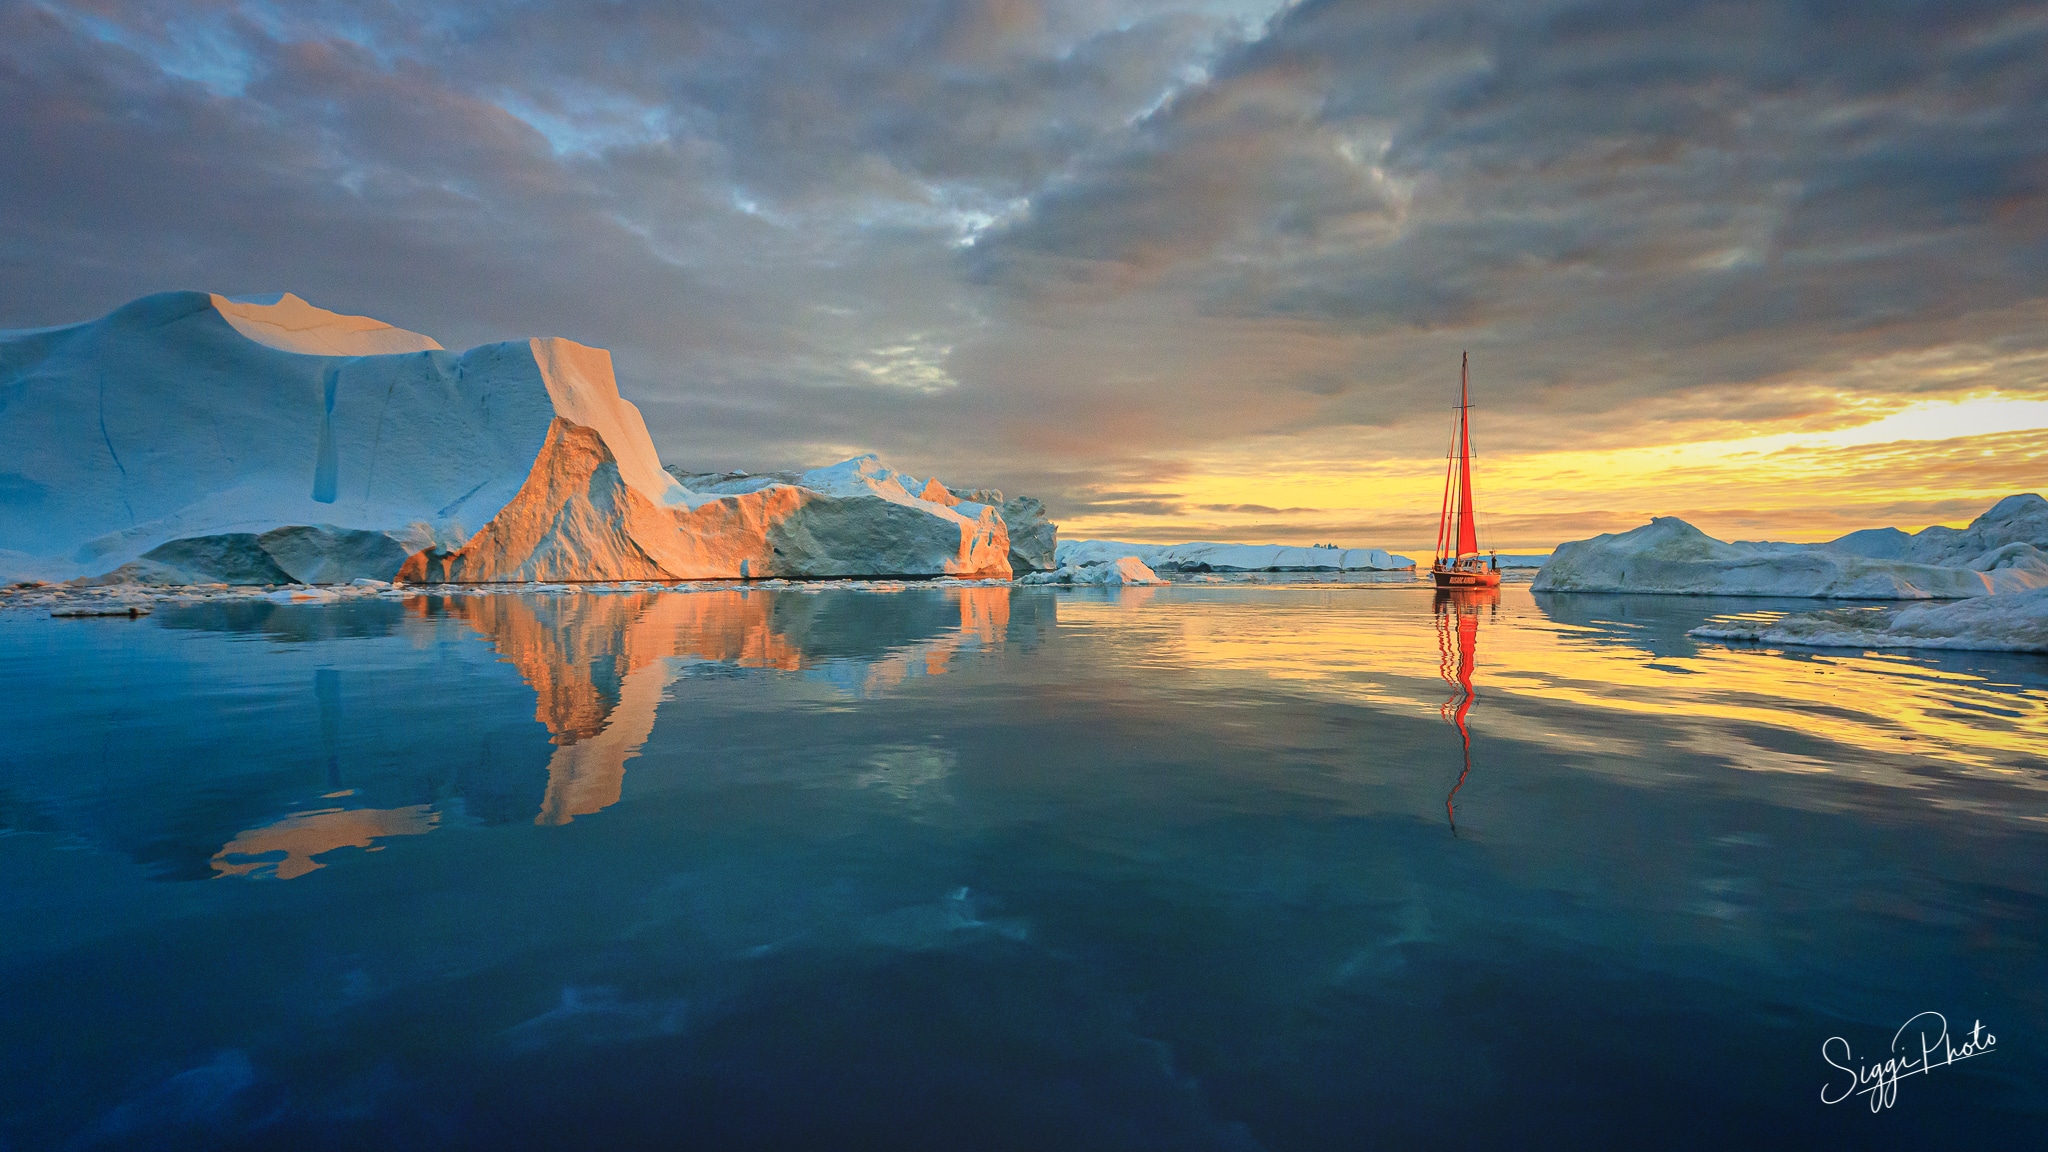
983 868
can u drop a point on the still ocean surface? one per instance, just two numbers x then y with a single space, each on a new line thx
980 868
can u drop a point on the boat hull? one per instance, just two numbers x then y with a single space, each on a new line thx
1452 579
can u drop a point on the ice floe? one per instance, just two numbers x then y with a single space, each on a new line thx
1113 573
2013 622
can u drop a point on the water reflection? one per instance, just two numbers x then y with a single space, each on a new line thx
1457 639
530 708
286 849
327 690
1900 720
1189 837
601 665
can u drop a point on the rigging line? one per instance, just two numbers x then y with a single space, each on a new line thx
1479 528
1443 518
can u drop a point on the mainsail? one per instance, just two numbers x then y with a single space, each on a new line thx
1468 529
1457 531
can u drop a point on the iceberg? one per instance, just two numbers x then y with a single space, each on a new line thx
1034 540
189 437
2003 551
1111 573
1206 557
2013 622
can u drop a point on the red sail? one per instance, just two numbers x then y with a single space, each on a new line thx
1468 531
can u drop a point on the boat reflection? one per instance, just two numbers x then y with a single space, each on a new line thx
1457 641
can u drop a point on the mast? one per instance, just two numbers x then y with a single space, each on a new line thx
1468 530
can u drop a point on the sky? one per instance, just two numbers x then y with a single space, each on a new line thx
1182 270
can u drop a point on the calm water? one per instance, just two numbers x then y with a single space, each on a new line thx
1193 867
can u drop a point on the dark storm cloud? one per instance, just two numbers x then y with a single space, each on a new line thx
1756 183
1064 247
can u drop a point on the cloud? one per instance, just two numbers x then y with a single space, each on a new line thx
1075 246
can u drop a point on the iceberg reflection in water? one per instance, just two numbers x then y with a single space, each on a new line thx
601 665
989 867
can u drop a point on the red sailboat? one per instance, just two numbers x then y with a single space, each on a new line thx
1458 563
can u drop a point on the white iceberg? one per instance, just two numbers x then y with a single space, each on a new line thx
1208 557
1031 535
2015 622
1111 573
192 438
2005 550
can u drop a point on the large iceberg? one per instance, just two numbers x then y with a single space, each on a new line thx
1206 557
2004 550
191 438
2017 622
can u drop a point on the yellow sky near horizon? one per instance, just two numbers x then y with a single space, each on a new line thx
1933 462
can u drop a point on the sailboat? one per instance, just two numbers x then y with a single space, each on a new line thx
1458 563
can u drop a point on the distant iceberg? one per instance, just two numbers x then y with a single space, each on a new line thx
2014 622
191 438
1111 573
1206 557
2003 551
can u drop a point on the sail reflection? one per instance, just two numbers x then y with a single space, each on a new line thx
1457 641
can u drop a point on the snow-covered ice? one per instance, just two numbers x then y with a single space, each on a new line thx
186 437
2003 551
2012 622
1112 573
191 438
1031 536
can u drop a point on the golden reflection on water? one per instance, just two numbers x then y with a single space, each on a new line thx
304 835
585 642
1891 711
602 664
